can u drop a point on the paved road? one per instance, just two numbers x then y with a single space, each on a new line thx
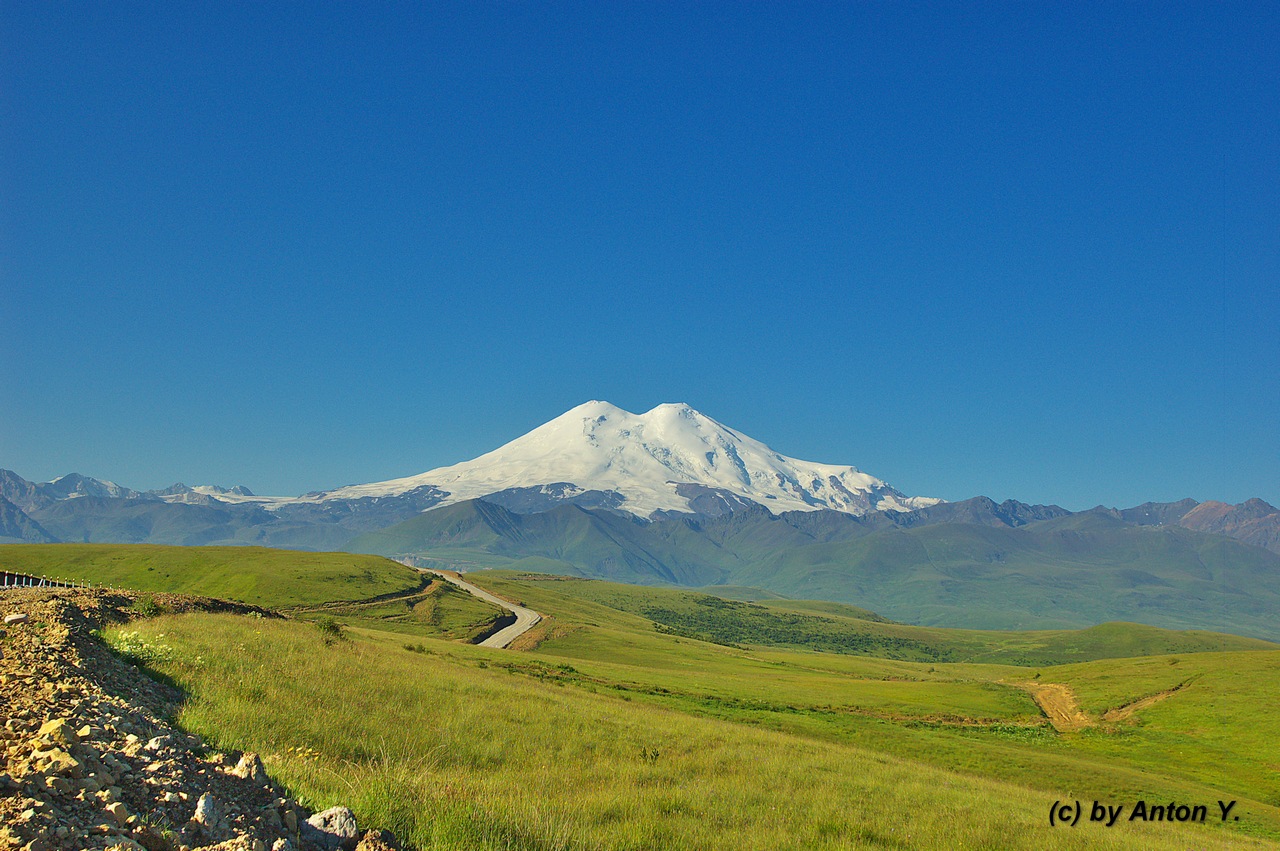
525 618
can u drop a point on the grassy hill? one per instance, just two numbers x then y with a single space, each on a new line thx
439 610
967 716
1049 574
834 627
265 577
606 731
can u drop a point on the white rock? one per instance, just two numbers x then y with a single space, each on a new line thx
250 768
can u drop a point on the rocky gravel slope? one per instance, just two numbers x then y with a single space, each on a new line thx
89 760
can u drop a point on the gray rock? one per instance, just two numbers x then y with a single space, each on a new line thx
332 829
208 812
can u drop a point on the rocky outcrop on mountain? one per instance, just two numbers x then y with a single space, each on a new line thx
175 489
74 485
37 496
179 489
89 760
1252 521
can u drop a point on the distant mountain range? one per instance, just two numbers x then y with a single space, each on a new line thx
672 496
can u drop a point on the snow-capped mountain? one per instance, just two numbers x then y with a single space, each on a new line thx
200 494
671 458
75 485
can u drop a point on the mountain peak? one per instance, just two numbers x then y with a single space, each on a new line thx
76 485
664 460
593 408
678 408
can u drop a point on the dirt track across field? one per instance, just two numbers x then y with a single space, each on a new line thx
1128 709
1059 705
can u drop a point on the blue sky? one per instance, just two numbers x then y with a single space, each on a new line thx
1022 250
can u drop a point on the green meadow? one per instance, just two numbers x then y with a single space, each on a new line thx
643 718
839 628
457 747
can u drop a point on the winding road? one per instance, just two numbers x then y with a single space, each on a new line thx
526 619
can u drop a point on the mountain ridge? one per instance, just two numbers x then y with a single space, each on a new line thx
1066 570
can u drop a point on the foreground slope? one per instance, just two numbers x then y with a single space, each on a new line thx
609 731
491 751
78 718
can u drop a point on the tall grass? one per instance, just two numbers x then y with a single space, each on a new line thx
454 752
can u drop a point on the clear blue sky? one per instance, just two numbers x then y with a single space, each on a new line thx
1026 250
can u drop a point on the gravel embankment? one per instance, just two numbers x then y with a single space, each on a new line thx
89 760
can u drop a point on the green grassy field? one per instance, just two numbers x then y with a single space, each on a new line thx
609 728
454 749
1212 716
971 717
